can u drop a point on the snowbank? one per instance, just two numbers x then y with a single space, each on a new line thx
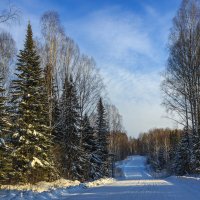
48 190
42 186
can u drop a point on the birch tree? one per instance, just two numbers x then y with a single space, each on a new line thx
181 83
7 55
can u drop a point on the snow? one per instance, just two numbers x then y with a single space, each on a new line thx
2 142
15 135
22 138
100 182
134 181
194 177
36 161
42 186
48 190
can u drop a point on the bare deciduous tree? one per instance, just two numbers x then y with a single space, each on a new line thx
52 32
7 54
181 83
61 58
11 14
89 84
181 78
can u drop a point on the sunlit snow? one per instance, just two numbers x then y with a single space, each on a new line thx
134 181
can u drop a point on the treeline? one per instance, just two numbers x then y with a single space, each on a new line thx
54 121
160 146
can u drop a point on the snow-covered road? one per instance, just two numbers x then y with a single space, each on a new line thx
137 184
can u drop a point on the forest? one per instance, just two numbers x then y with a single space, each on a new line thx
56 119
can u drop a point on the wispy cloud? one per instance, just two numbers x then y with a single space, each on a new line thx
114 34
137 96
130 50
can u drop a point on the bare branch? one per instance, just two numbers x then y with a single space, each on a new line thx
11 14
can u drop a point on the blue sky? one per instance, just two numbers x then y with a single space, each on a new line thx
128 40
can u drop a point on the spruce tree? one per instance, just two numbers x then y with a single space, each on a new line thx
161 159
90 147
31 139
195 158
174 140
56 128
182 157
72 154
56 125
102 134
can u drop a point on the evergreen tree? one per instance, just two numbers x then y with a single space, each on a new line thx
56 125
32 157
161 159
90 147
174 140
56 128
72 153
182 157
195 158
102 134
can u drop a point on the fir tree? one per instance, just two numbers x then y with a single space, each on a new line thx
102 134
32 157
72 154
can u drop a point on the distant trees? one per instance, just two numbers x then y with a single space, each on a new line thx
118 139
160 147
120 145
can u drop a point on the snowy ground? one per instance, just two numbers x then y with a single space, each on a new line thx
137 184
133 182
